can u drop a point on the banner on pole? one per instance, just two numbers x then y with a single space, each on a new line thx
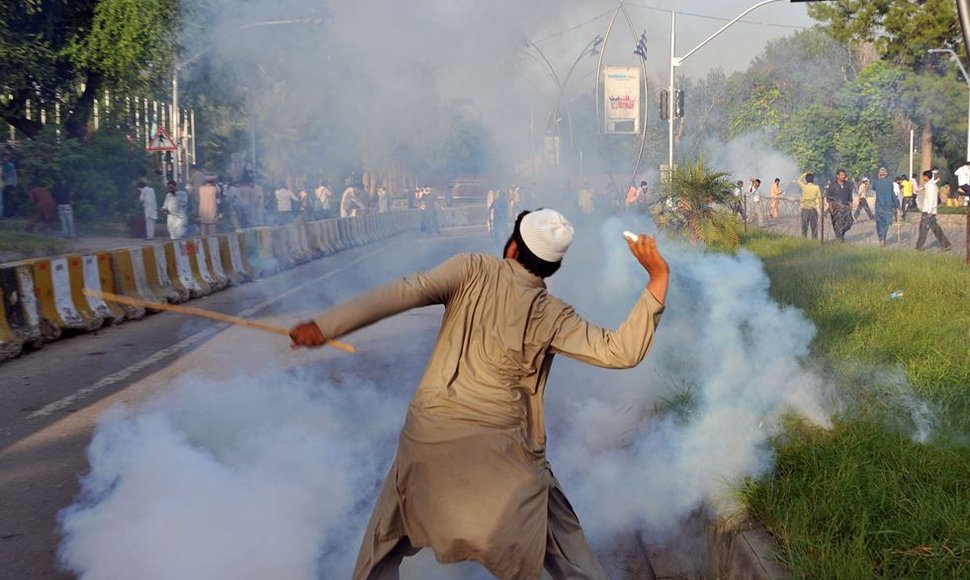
621 96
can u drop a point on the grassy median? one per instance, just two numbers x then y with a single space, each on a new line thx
867 499
14 239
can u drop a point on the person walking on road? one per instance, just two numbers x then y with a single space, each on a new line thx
863 199
927 221
149 204
65 211
471 479
885 203
809 203
838 195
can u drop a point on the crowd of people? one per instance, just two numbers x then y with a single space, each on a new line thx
207 205
893 199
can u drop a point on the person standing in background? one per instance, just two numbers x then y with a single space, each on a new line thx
149 204
754 190
776 193
809 203
43 213
176 205
885 204
62 197
909 187
209 207
963 182
324 200
350 205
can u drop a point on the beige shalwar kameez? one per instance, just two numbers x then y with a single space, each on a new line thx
471 480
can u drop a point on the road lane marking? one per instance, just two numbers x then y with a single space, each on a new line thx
181 345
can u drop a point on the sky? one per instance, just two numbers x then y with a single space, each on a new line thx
731 51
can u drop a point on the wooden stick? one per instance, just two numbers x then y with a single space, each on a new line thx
191 311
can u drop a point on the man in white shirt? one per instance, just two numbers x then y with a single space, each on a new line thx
177 206
927 220
284 204
349 204
963 182
324 200
146 195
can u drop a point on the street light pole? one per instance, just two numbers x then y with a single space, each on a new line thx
676 61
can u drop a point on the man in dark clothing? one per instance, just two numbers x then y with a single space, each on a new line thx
838 195
885 204
43 208
62 198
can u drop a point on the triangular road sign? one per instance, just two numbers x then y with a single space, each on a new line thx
162 142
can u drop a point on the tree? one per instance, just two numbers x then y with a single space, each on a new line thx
902 32
68 52
698 197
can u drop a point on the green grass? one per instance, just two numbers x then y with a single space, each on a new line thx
863 500
22 242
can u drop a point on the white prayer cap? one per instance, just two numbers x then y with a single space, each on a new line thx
547 233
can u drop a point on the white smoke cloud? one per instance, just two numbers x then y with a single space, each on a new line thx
254 477
274 475
726 366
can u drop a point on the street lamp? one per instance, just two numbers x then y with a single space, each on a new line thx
676 61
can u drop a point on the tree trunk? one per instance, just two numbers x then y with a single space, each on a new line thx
28 127
926 145
76 125
13 113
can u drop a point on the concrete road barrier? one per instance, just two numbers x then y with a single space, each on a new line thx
214 260
52 286
75 274
328 231
156 274
110 313
188 253
11 315
163 276
197 258
124 279
232 258
106 280
180 271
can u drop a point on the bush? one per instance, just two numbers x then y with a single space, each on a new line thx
101 172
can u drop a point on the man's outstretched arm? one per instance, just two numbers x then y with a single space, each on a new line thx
627 345
416 290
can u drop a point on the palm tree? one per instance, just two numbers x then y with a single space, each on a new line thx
695 203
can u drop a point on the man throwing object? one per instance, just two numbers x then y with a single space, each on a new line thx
471 480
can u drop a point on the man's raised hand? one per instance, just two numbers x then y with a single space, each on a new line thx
644 249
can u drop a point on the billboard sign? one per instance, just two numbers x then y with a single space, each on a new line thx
621 91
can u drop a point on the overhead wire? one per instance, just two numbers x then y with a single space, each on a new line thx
717 18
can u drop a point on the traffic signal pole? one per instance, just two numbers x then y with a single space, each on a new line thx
676 61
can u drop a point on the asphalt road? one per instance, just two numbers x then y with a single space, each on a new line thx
50 400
